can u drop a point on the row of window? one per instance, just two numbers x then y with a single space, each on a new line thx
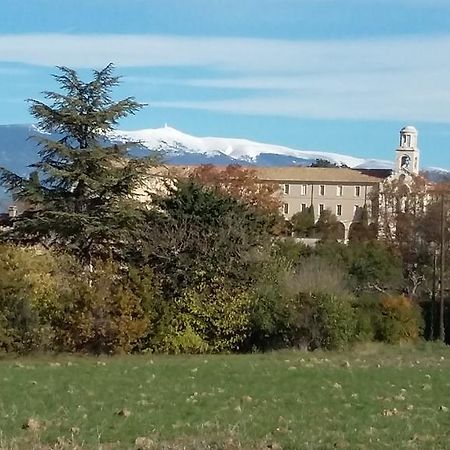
320 209
339 190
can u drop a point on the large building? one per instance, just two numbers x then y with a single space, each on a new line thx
345 192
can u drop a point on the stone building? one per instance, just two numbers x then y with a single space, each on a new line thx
343 191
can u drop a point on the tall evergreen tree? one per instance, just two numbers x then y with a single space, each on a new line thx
80 195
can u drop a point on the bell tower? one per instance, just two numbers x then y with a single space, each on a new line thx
407 153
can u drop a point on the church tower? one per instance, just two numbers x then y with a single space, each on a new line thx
407 153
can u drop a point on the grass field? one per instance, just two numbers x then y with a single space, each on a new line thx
371 398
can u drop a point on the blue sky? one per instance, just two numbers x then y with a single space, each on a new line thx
332 75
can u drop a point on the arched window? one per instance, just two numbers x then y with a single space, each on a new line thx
405 162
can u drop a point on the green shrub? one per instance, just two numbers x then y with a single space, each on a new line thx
98 312
389 318
27 284
183 341
323 321
212 317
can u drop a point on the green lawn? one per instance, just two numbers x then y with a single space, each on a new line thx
371 398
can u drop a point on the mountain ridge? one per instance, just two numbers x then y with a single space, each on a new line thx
18 151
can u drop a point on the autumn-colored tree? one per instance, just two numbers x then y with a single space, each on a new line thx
241 183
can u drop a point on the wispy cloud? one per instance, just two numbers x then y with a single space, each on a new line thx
232 54
391 78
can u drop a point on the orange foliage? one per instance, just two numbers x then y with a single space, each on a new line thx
241 183
402 319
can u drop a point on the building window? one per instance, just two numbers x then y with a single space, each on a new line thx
286 189
321 208
322 190
339 190
339 210
357 191
285 208
304 207
303 189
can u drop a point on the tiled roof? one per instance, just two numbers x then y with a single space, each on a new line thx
298 174
314 175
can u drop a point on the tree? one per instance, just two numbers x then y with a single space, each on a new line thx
327 227
403 205
320 162
361 230
303 222
240 183
196 234
80 195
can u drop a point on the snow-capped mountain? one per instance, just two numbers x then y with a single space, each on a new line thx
179 147
18 151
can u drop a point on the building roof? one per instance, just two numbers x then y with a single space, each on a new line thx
315 175
377 173
409 129
299 174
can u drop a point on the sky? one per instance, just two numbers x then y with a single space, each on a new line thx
331 75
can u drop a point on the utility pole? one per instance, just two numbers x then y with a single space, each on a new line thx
433 294
441 272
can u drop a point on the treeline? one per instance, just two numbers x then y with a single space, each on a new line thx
109 256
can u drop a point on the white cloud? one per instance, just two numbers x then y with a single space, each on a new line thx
233 54
403 78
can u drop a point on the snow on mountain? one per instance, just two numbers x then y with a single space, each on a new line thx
175 143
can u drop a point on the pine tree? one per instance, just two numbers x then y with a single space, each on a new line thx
80 194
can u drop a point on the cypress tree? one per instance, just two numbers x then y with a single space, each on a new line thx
80 194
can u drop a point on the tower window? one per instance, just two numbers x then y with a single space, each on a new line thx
286 189
357 191
339 190
322 189
303 189
303 206
405 162
321 208
285 208
339 210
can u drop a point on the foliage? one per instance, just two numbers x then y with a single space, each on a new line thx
241 183
319 275
371 266
270 314
388 318
27 286
303 223
200 234
409 221
80 195
209 317
281 226
402 320
328 228
99 312
360 229
323 321
320 162
291 250
308 307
